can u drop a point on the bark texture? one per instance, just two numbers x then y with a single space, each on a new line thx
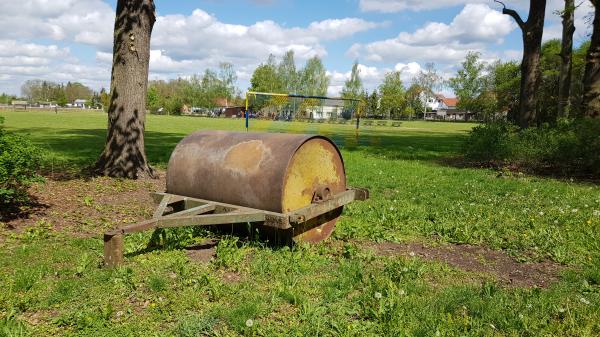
532 31
566 55
591 81
124 154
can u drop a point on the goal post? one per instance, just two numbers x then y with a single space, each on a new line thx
290 107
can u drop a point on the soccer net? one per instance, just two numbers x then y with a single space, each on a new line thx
290 107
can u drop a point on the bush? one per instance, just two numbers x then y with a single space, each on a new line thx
570 146
19 160
490 141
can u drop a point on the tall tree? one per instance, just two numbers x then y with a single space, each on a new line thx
393 98
532 31
429 81
566 55
287 72
506 77
313 78
265 79
124 154
353 86
591 81
469 83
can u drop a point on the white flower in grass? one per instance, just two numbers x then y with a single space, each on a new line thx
574 210
378 295
561 310
438 333
249 323
596 213
556 222
584 301
541 213
402 292
412 254
521 316
529 306
405 269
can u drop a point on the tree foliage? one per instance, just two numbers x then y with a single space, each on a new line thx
392 95
471 85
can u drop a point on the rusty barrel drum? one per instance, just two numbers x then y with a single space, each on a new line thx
267 171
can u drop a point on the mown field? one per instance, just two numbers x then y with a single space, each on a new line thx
438 250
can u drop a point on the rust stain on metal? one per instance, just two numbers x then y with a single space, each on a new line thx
245 157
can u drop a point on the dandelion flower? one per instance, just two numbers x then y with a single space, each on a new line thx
412 254
249 323
378 295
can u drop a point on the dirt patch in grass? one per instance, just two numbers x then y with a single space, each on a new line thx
502 267
204 252
87 206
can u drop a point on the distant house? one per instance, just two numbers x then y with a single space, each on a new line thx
441 107
19 104
80 103
329 109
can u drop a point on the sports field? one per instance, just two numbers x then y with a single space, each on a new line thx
438 250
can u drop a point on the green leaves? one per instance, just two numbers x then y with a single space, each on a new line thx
19 160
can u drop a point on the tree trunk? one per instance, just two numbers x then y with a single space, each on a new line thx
532 31
591 79
566 54
124 154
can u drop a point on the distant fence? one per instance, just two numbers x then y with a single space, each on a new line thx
36 108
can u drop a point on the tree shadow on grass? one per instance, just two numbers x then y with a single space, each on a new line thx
21 210
68 152
81 147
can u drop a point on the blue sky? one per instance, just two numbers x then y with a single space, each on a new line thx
70 40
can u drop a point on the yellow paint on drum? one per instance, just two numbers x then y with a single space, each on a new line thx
316 163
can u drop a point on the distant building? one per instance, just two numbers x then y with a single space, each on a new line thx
80 103
440 107
19 104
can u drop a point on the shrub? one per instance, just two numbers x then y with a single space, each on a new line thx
570 146
19 160
490 141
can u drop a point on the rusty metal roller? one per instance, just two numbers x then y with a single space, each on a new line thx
268 171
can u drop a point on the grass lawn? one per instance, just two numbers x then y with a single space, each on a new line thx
437 250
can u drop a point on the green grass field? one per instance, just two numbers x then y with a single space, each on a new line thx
53 283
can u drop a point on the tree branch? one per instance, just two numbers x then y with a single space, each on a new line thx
513 14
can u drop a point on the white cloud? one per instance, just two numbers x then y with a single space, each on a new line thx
84 21
202 36
181 44
393 6
472 29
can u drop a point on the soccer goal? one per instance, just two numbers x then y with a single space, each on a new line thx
289 107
